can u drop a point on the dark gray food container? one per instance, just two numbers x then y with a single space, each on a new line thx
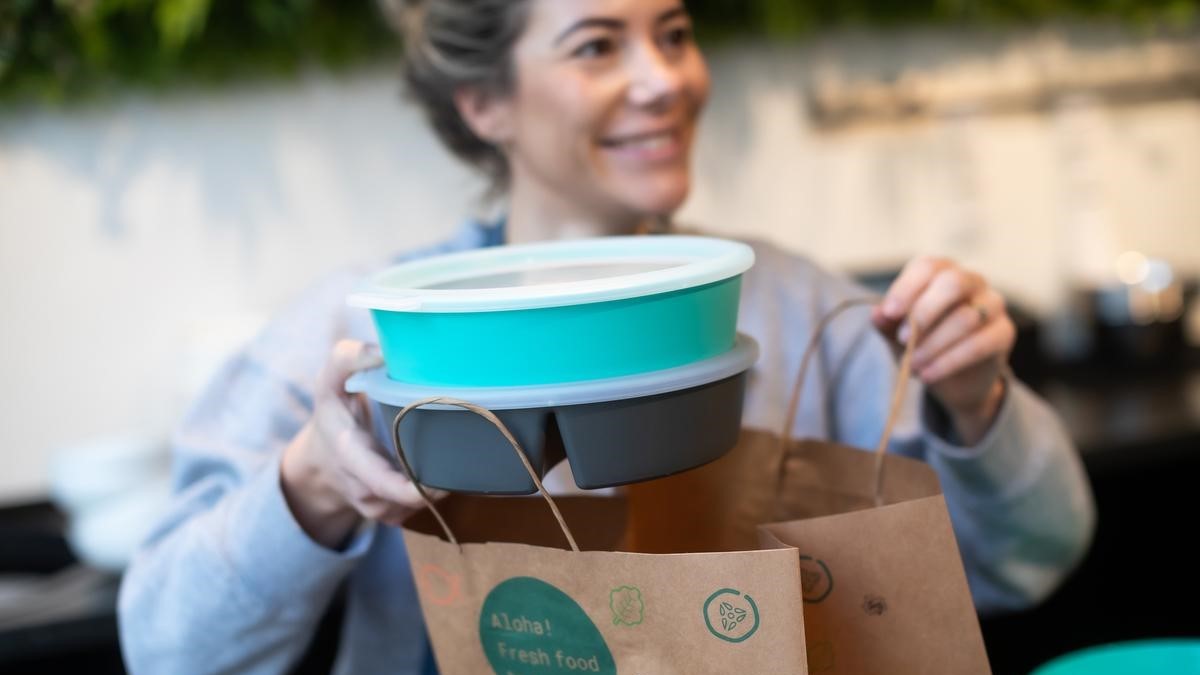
607 442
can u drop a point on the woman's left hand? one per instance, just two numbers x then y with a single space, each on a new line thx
964 338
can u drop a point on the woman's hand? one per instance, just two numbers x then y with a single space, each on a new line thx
965 337
332 472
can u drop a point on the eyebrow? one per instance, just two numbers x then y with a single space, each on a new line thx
613 24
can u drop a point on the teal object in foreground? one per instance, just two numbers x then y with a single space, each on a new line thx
557 312
1149 657
560 344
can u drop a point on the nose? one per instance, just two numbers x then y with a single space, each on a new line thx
654 80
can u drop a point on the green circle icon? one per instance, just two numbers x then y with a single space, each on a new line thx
731 615
529 627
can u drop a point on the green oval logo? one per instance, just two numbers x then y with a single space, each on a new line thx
528 626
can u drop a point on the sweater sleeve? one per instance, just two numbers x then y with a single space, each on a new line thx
1022 506
228 581
1019 499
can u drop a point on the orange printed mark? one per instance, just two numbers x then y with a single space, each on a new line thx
439 586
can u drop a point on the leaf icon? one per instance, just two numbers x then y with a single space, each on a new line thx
627 606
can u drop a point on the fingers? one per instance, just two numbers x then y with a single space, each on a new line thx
392 514
925 291
356 451
395 509
959 322
949 288
366 479
909 285
992 340
372 506
961 319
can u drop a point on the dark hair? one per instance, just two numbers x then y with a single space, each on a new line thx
449 44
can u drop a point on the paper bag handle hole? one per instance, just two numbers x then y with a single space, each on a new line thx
495 421
897 393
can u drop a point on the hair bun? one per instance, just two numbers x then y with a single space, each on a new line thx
450 44
404 16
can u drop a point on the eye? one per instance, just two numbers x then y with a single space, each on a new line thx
594 49
678 36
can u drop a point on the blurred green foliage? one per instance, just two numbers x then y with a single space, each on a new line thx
63 50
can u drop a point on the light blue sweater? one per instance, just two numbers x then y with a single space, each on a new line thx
228 582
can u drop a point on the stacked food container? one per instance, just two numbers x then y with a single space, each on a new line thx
621 353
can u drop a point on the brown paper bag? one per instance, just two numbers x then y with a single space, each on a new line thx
498 596
884 586
885 590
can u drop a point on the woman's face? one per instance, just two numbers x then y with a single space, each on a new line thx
605 106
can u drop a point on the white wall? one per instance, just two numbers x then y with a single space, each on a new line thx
140 239
1031 198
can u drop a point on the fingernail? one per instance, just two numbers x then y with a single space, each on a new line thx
892 308
903 333
370 355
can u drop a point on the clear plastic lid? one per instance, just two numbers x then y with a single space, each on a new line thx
378 386
553 274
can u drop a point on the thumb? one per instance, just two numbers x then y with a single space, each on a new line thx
886 325
347 358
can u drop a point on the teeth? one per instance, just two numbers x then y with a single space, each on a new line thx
654 142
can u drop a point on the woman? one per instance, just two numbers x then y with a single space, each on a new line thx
583 113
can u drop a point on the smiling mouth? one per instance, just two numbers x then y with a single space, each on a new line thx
656 140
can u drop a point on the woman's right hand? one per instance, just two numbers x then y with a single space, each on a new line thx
333 473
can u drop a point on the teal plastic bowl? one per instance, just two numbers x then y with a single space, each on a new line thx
1146 657
559 312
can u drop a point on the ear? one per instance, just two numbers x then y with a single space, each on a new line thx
489 116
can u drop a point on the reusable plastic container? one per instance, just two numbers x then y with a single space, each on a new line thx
558 312
612 431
